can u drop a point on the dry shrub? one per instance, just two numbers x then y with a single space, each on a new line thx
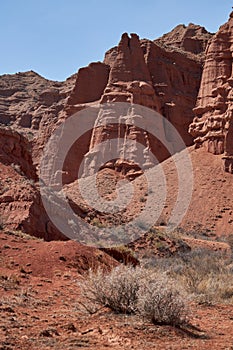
136 290
215 288
9 282
162 303
206 275
117 289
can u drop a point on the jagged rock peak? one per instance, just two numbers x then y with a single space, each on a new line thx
192 38
129 63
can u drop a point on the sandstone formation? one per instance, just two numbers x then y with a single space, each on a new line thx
192 38
21 206
29 110
157 75
16 150
213 124
161 77
90 83
26 97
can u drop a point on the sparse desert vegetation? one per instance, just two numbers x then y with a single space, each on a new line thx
62 297
129 290
163 292
97 158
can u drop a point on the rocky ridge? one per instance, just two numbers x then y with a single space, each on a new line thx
192 38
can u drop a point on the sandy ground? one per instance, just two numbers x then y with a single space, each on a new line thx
39 304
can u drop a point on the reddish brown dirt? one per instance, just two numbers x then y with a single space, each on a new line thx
207 244
39 305
39 258
210 209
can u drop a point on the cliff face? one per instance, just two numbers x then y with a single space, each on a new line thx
176 79
16 150
157 75
30 107
163 75
213 124
160 77
90 83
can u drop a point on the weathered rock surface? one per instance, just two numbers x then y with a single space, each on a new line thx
192 38
16 150
163 78
26 97
158 75
213 125
21 206
29 110
176 80
90 83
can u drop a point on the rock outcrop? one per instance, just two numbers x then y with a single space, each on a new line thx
31 105
26 97
90 83
29 110
176 79
16 150
192 38
213 124
157 75
129 78
21 207
162 77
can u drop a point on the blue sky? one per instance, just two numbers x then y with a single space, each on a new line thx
56 37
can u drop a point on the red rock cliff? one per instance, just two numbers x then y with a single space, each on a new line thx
163 75
213 124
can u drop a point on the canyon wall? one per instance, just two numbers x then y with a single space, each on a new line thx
163 75
212 127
